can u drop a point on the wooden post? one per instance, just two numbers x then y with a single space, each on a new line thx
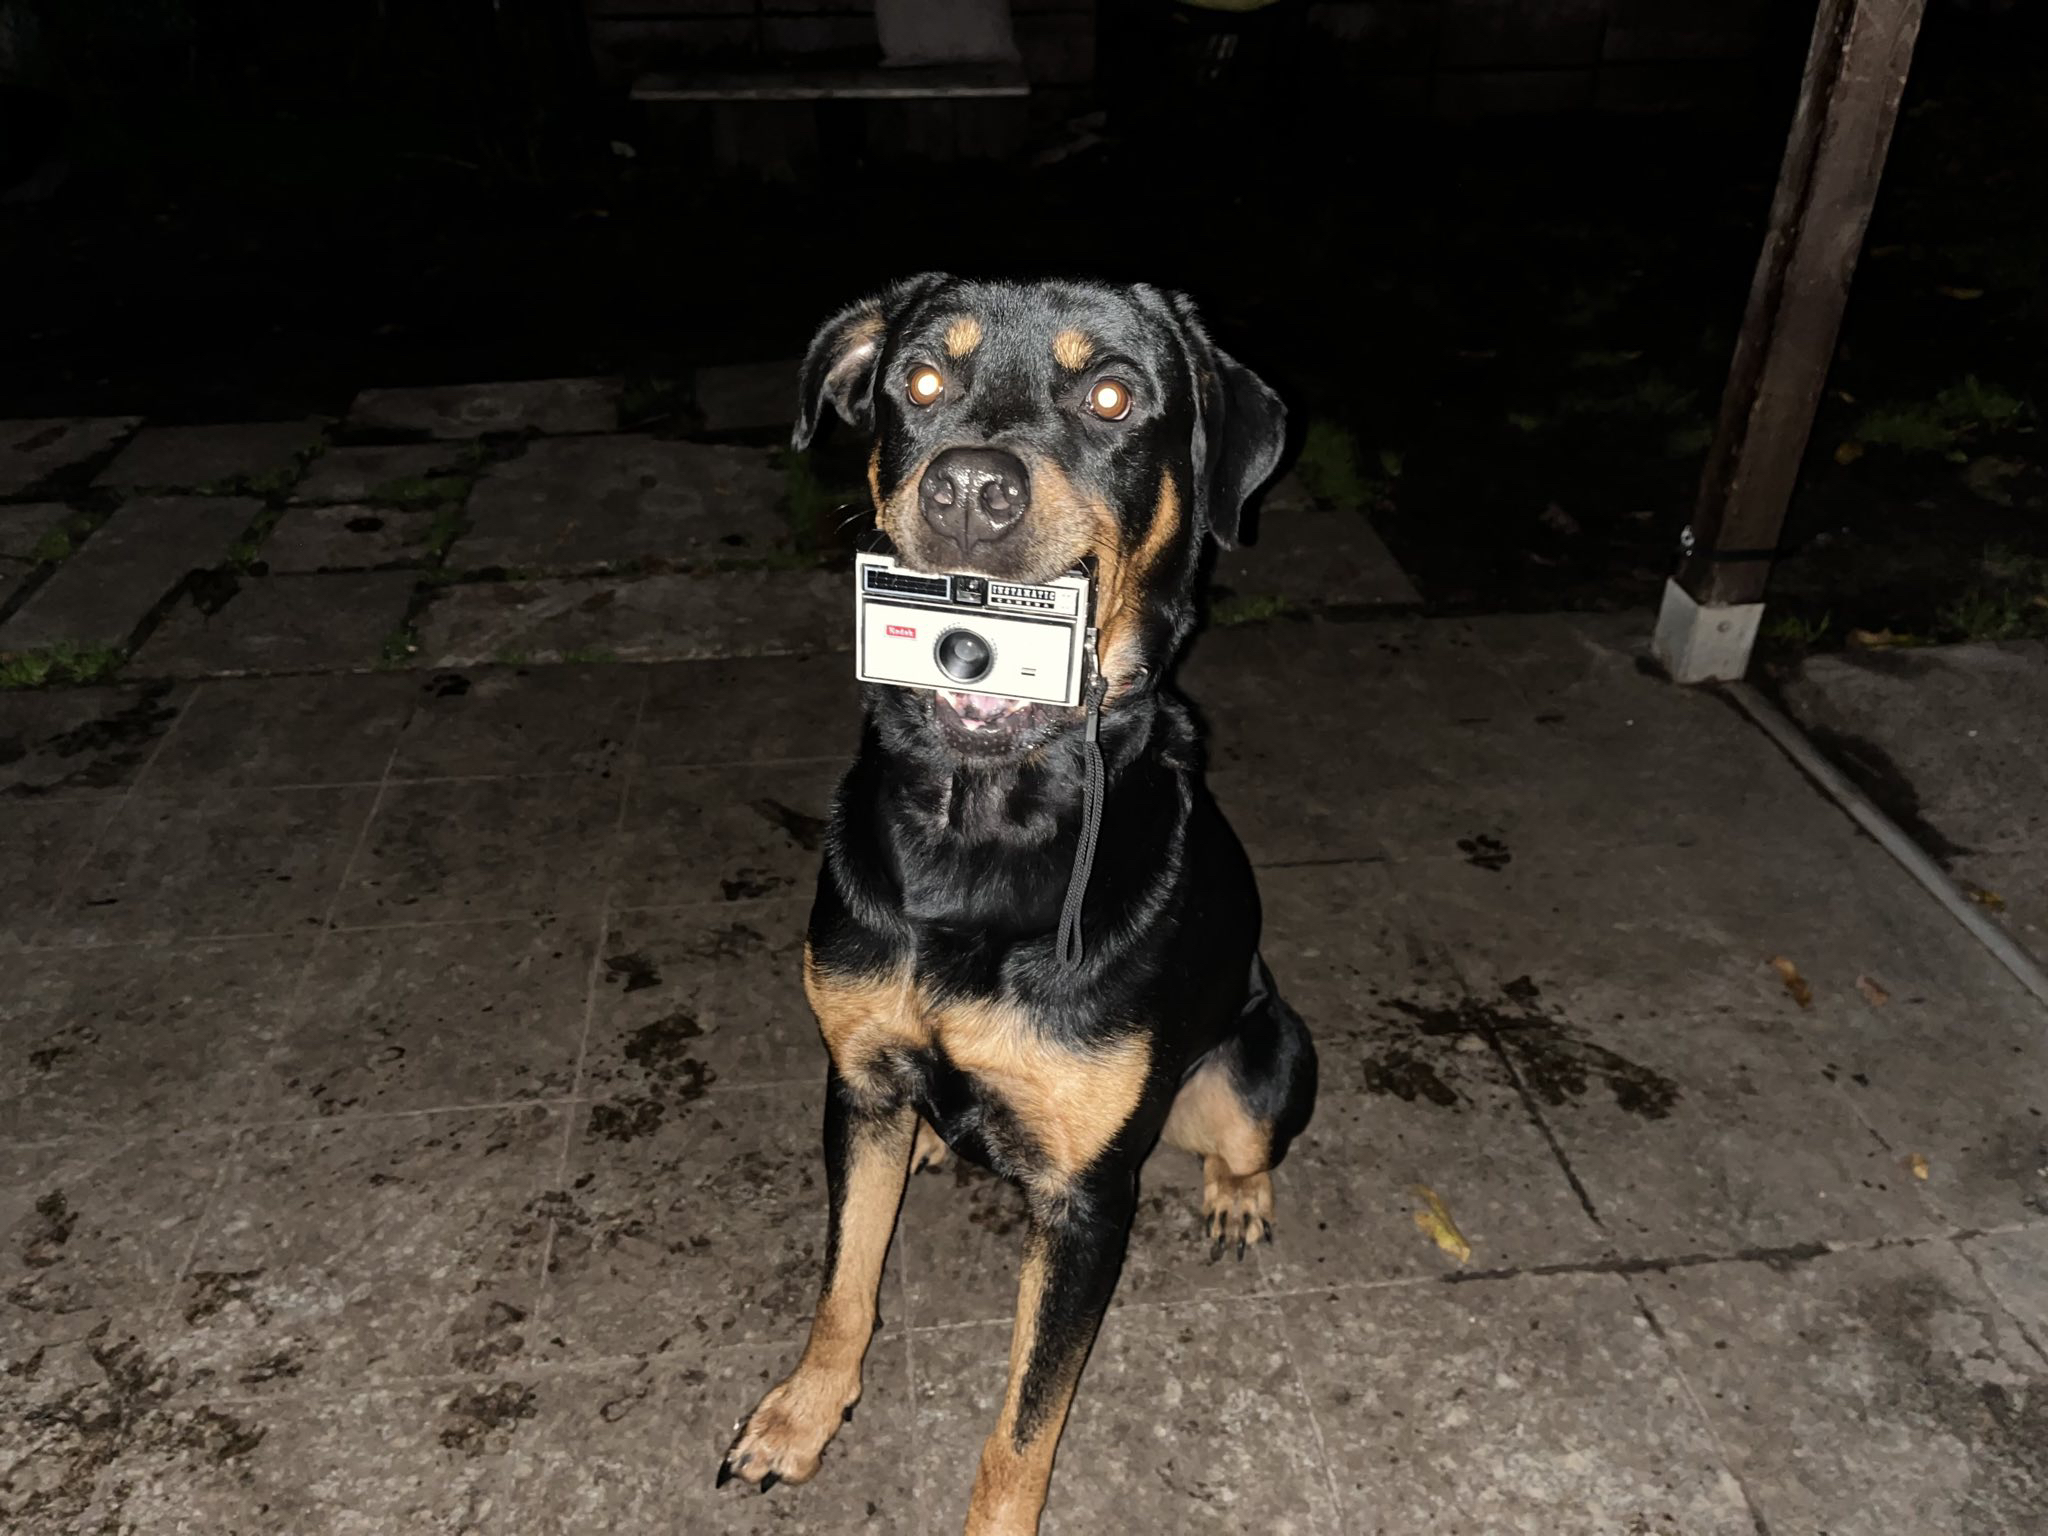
1848 101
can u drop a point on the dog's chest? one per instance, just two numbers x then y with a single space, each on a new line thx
988 1076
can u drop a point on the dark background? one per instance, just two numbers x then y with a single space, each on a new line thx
1502 315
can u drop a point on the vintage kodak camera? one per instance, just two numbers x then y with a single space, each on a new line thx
958 630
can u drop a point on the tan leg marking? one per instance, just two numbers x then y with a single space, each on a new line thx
929 1152
1011 1481
785 1437
1210 1120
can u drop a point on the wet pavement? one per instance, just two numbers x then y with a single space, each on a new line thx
409 1110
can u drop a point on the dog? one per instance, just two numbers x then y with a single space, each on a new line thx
1019 429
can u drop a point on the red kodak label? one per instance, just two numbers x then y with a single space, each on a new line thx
903 631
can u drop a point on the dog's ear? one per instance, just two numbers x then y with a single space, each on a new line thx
1240 429
840 364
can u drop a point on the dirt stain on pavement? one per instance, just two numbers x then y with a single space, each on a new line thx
1554 1061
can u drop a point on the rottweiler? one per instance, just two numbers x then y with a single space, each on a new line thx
1019 429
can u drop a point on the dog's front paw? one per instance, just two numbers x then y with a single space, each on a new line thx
1236 1211
784 1439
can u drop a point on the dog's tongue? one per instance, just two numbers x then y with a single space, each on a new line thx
976 709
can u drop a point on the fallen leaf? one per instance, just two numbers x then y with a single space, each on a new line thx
1877 639
1390 461
1990 900
1917 1166
1873 994
1434 1218
1848 452
1949 292
1796 984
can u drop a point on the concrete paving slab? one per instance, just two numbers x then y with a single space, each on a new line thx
2014 1266
41 843
1957 1078
724 834
475 410
636 1268
195 1456
1413 741
395 1019
1411 1094
241 862
742 397
14 575
34 450
1951 740
753 710
84 742
257 456
143 1037
347 1254
496 720
1711 1133
649 618
2013 888
101 594
484 848
1528 1405
22 527
1309 558
691 996
1189 1419
633 1448
570 504
1865 1392
373 473
328 623
351 537
273 732
96 1234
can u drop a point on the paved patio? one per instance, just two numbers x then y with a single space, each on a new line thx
409 1107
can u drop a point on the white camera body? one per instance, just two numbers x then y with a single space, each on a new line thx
974 633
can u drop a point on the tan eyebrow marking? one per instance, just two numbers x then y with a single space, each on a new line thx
963 335
1072 349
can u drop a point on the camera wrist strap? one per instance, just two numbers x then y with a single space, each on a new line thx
1092 777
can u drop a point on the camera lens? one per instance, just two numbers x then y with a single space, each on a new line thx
964 656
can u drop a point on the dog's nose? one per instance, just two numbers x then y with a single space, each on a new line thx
974 495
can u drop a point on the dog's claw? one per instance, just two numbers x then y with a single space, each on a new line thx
724 1473
1216 1250
770 1481
1240 1249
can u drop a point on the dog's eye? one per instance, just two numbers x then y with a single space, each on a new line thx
926 385
1109 399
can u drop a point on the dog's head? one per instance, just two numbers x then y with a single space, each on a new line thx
1018 427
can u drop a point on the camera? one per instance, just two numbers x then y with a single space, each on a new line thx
977 634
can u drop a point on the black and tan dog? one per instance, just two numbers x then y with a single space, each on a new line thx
1018 428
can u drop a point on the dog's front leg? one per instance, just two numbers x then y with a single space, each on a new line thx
867 1160
1071 1259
